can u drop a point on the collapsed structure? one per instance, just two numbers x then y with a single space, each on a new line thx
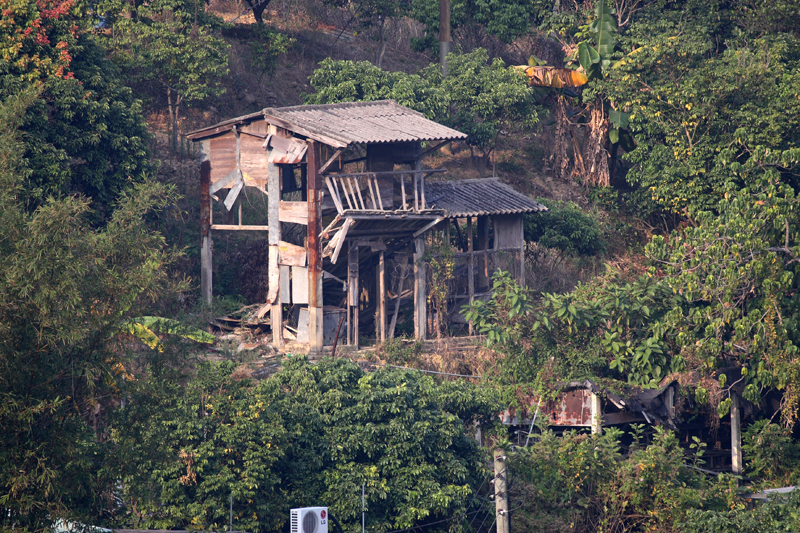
349 207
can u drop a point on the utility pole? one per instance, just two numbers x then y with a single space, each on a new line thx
736 435
444 33
501 490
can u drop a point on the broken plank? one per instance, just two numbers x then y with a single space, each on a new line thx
291 254
296 212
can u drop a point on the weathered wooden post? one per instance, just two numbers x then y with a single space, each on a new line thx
420 303
471 270
274 269
205 231
501 491
382 295
315 316
353 294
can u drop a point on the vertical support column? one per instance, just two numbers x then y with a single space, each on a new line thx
444 33
597 414
315 316
382 295
521 230
483 245
501 491
736 435
352 294
470 270
420 304
274 273
205 231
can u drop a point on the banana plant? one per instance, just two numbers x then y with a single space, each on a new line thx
541 75
596 60
147 328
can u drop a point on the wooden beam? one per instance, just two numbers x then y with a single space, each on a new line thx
427 227
229 227
307 132
329 227
295 212
435 147
382 296
400 282
341 236
426 172
330 161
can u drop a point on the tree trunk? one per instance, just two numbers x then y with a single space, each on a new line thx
173 104
258 7
560 157
597 155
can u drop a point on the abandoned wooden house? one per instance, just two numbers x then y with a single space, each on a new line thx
348 211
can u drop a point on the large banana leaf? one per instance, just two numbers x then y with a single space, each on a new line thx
145 328
604 29
597 59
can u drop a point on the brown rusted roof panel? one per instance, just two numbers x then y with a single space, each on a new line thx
477 197
382 121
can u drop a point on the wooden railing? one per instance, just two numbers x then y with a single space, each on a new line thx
402 190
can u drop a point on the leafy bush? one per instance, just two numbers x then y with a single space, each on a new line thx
779 515
770 452
311 434
583 483
565 226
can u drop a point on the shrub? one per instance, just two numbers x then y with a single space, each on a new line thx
565 227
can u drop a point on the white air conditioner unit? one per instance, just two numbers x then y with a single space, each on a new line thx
309 520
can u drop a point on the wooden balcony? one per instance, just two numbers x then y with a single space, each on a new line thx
378 193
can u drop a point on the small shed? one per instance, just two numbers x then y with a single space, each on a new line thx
347 209
493 213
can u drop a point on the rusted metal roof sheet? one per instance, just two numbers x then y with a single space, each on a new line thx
477 197
340 125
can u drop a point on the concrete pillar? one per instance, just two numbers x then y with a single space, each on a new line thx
597 414
501 491
736 435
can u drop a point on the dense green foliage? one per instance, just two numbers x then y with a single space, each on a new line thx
478 96
585 483
85 132
719 300
169 47
65 290
709 88
566 227
310 435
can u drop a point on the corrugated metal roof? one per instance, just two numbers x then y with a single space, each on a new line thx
382 121
477 197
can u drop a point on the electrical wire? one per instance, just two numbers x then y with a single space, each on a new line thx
430 371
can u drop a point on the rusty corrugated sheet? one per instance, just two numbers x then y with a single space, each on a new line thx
573 408
477 197
383 121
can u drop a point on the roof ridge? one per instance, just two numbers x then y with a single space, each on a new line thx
337 105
